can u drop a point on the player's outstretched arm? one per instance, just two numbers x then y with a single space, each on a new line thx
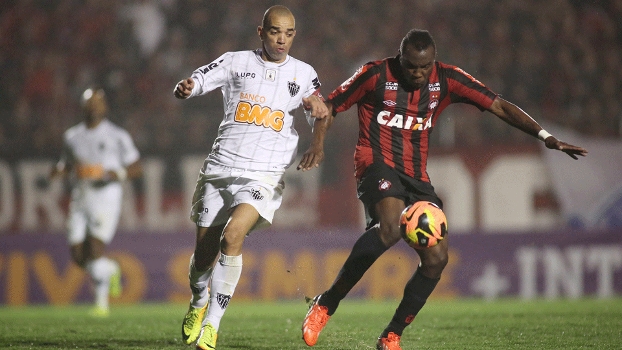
59 170
132 171
183 89
135 170
316 105
573 151
516 117
315 154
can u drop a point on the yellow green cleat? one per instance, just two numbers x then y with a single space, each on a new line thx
115 288
99 312
207 340
191 327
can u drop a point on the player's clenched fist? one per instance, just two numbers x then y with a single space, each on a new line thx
316 105
183 89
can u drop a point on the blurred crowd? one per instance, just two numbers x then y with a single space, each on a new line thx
560 60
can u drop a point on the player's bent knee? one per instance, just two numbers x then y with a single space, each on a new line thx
77 255
232 243
389 234
433 262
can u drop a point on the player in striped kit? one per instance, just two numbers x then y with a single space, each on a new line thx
99 156
241 182
399 101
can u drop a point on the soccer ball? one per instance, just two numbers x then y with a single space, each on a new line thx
423 224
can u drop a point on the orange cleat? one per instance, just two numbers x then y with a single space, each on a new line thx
390 342
314 322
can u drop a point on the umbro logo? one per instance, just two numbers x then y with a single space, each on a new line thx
389 103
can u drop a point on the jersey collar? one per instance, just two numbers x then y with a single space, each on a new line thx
267 63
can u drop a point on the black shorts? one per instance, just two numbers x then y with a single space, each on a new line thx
380 181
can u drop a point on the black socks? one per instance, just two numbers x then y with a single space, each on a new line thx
416 292
365 251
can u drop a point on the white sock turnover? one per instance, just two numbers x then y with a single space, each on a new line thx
224 280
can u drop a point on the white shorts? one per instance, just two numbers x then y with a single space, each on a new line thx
219 189
94 211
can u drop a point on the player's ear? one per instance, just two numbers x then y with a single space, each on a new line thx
260 32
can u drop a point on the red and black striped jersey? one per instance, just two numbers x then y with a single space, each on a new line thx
395 120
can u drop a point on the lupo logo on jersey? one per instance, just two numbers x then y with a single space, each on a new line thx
244 75
398 121
258 115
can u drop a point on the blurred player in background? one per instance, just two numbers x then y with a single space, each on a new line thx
399 101
240 185
98 156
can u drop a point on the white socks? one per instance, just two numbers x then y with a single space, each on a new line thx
100 271
199 282
224 280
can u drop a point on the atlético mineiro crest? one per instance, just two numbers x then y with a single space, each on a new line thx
293 88
256 194
223 300
384 185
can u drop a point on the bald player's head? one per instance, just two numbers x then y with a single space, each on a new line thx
276 11
277 33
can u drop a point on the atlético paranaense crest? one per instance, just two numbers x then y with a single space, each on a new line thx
293 88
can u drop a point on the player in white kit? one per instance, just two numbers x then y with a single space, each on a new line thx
241 182
98 156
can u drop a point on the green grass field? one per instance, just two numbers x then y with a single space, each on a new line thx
461 324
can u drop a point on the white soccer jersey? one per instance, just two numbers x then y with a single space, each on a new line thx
257 131
107 145
96 205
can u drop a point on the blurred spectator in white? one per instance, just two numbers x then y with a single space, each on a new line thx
149 23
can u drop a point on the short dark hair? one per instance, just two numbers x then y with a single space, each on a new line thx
420 39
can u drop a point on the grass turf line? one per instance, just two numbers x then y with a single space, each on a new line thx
442 324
